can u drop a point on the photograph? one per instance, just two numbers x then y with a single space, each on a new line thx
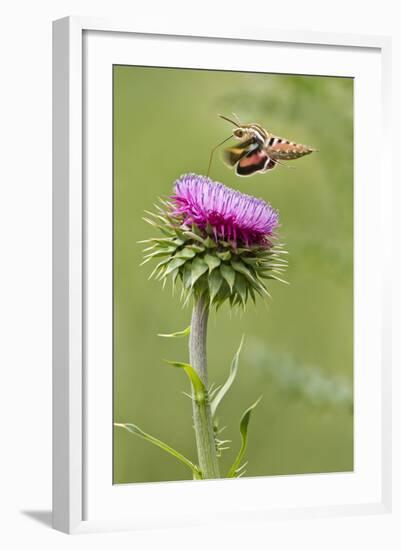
199 340
233 270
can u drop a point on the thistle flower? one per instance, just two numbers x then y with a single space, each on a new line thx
220 243
231 215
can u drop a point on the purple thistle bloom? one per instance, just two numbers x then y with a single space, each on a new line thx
232 215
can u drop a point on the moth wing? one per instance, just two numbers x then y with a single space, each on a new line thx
255 161
232 155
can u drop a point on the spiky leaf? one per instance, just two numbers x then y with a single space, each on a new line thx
186 275
215 280
178 334
240 287
211 261
209 243
132 428
241 268
225 256
228 275
218 396
194 236
198 268
185 253
196 248
243 427
174 264
198 387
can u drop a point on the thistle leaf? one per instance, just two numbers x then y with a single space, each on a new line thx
198 268
157 254
231 377
211 261
240 287
223 294
225 256
261 289
254 261
279 278
240 250
159 267
196 248
252 294
185 253
174 276
174 264
196 230
186 275
241 268
177 334
191 235
167 241
209 243
228 275
198 387
132 428
243 428
215 281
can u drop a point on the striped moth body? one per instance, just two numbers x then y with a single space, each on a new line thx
258 150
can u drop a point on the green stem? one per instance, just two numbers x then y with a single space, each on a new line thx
202 415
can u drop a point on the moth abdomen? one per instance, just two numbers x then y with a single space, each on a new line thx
287 150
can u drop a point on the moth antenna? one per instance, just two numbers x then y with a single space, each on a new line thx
229 120
212 153
236 117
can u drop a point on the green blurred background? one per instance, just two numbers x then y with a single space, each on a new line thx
298 348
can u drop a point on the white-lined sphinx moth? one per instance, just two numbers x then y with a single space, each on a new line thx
258 150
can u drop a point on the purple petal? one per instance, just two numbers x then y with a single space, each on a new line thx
231 214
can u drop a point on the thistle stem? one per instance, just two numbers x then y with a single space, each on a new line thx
203 422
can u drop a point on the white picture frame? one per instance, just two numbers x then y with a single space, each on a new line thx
83 49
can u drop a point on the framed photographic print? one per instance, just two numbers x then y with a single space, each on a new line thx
220 331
